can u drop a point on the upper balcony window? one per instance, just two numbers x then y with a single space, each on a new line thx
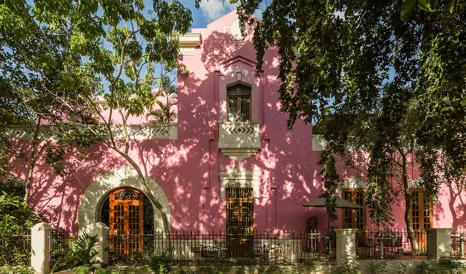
239 103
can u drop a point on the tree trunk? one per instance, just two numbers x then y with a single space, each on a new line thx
408 202
29 176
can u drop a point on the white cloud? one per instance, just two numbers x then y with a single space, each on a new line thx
214 9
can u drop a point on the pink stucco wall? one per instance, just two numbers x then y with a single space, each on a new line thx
188 168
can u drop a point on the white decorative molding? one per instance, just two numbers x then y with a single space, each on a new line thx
190 40
239 140
91 202
187 51
318 143
352 182
137 132
415 183
239 177
148 132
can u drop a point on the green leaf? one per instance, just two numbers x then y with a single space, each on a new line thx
424 5
407 7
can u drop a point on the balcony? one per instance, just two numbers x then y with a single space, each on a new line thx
136 131
239 140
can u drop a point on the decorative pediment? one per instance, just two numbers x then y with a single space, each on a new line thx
240 59
239 177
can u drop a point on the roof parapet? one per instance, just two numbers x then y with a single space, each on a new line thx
190 40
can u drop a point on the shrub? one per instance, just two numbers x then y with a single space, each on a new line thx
85 248
101 271
81 253
451 265
352 267
374 267
16 218
445 265
15 215
160 263
82 269
20 269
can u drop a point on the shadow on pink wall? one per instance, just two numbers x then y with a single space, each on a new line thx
188 168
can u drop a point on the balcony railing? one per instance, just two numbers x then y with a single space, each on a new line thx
390 244
239 139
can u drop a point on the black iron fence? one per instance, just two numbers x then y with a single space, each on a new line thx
199 247
16 249
458 243
391 244
59 245
126 249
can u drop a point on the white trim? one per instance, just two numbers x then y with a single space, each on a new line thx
190 40
92 198
318 142
352 182
239 177
239 140
187 51
414 183
137 132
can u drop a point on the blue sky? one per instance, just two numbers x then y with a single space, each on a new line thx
209 11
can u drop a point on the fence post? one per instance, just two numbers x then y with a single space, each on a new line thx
40 248
346 245
438 242
101 231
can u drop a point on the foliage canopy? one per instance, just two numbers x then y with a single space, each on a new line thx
390 75
66 63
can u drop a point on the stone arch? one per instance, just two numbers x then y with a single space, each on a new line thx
93 197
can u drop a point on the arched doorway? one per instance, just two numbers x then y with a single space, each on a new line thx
129 214
93 198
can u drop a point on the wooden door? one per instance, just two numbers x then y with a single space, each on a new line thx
126 221
240 221
421 216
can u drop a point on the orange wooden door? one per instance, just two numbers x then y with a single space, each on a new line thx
127 221
421 216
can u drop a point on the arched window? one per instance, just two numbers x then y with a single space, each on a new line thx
239 103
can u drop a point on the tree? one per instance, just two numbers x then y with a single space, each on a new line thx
390 72
139 45
109 49
42 81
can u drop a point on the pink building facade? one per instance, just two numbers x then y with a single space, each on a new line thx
229 136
